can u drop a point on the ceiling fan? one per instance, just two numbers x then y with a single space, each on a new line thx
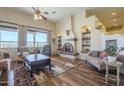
37 14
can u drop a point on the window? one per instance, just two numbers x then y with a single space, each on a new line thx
36 39
30 39
8 37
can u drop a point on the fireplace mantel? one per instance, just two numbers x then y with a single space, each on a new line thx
74 54
70 39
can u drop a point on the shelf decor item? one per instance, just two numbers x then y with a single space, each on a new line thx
86 28
67 32
54 40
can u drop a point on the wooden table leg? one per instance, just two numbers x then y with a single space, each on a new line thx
106 76
118 74
31 73
50 67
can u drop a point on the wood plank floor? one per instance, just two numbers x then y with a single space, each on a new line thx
81 75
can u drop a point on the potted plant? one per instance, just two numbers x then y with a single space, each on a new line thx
112 52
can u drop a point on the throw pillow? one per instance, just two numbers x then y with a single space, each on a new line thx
120 58
90 53
102 54
95 53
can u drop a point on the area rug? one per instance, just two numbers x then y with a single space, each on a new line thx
20 76
3 77
23 78
59 67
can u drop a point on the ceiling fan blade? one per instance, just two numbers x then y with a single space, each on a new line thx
34 8
44 17
37 11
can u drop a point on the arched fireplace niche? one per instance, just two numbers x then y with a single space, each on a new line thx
68 48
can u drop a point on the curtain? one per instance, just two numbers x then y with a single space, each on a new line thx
22 36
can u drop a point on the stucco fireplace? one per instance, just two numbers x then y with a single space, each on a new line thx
69 49
69 40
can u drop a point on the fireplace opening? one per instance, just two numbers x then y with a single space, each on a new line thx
68 48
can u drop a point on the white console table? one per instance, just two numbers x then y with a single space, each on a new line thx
113 64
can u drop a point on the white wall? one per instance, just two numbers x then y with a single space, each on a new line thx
119 38
78 21
10 15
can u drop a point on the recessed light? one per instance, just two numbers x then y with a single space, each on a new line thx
115 24
54 12
46 13
114 19
114 13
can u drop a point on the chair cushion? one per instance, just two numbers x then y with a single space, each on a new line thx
94 60
6 55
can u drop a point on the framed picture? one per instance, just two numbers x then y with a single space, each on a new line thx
111 43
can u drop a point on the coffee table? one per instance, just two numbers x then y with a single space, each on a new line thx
37 61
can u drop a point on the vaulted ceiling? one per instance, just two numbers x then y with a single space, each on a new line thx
109 16
55 14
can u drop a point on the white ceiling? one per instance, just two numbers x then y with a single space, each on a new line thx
61 12
104 14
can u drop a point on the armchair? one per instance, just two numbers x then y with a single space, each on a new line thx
47 50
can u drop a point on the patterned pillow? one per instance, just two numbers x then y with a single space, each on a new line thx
120 58
90 53
95 53
102 54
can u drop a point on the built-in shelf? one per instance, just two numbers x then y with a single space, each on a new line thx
86 45
59 43
86 38
85 32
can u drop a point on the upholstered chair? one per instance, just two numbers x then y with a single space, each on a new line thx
46 50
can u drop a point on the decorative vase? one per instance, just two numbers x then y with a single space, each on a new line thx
111 59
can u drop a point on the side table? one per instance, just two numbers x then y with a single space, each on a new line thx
113 64
83 56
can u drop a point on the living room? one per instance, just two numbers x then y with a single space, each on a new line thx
73 41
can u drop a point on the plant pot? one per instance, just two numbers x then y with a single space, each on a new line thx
111 59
